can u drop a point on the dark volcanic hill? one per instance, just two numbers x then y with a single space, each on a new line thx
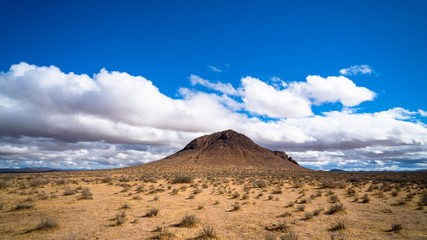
227 149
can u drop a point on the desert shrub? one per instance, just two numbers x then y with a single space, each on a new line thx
156 198
86 194
190 220
149 178
120 218
192 196
270 197
175 191
163 234
281 226
39 182
285 214
208 231
290 204
46 224
327 183
4 184
365 198
399 202
394 193
235 195
197 191
125 206
351 192
423 200
339 225
334 208
396 227
308 216
334 199
289 236
259 183
125 179
245 197
61 182
23 205
181 179
69 191
270 236
276 191
301 208
236 207
152 212
107 179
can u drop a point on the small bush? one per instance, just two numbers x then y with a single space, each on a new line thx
397 227
339 225
236 207
69 191
308 216
335 208
46 224
181 179
23 205
86 194
190 220
301 208
125 205
152 212
235 195
365 198
289 236
120 218
208 231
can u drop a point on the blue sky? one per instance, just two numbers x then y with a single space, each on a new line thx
249 61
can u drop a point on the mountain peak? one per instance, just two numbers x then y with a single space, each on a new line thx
227 149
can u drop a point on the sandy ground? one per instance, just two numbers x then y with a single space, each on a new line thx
261 208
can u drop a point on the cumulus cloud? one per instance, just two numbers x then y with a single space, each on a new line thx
49 118
357 69
333 89
225 88
263 99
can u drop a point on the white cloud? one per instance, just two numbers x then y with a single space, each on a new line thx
63 120
225 88
332 89
215 69
263 99
357 69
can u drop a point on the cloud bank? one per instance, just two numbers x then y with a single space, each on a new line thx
49 118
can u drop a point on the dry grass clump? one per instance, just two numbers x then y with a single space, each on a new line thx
46 224
120 218
396 227
281 226
208 232
163 234
190 220
289 236
365 198
334 208
86 194
70 191
236 207
23 205
338 226
181 179
152 212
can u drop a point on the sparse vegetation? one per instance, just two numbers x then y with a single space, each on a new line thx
190 220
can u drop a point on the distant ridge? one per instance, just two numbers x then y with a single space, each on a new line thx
227 149
27 170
